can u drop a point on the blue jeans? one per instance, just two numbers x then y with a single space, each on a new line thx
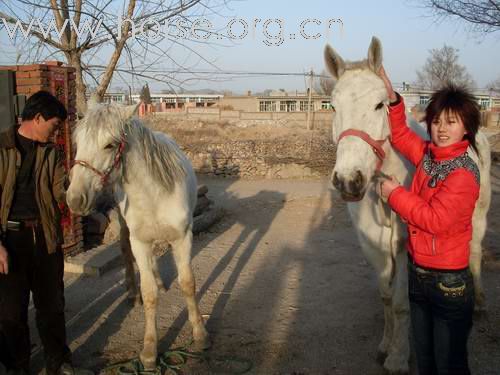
441 309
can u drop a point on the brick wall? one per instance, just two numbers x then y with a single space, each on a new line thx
60 81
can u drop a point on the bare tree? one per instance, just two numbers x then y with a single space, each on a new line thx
481 16
324 83
145 94
100 38
442 67
495 85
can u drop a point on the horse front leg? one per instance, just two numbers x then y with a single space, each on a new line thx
143 254
399 350
383 267
182 256
393 350
381 262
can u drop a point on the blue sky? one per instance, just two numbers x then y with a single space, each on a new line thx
406 32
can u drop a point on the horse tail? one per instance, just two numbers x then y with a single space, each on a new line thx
479 221
484 150
484 164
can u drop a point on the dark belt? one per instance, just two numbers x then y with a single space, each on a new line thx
23 224
426 270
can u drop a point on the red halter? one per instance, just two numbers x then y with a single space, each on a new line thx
376 144
104 175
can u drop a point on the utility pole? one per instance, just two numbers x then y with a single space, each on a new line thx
308 119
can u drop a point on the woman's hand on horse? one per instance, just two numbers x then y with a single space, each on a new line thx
388 85
387 186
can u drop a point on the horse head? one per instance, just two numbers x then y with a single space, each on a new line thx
100 139
360 126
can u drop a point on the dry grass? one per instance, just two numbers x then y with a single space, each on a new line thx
197 131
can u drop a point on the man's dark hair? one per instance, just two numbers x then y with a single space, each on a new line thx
456 100
46 104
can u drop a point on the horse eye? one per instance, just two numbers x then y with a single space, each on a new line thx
379 105
109 146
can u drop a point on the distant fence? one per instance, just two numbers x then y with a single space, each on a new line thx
216 114
490 119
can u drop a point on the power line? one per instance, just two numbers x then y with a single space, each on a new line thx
245 74
218 72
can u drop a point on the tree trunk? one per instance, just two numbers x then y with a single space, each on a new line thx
75 61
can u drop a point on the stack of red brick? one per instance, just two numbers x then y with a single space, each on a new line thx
60 81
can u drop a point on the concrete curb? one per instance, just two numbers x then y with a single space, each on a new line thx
101 259
95 262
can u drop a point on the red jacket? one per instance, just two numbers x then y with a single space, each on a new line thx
439 218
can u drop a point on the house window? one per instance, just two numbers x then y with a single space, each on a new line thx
303 106
267 106
325 104
424 99
484 103
288 106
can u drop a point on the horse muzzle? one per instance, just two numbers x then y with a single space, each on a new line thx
351 188
78 203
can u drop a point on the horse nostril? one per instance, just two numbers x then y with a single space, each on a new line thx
335 181
358 181
77 202
83 201
359 178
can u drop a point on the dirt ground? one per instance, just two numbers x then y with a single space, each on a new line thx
281 282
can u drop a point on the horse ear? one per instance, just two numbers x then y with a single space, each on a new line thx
375 55
129 111
91 103
334 62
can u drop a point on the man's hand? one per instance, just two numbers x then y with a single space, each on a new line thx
388 85
387 186
4 260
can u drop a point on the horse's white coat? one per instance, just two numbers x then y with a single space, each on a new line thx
156 190
381 233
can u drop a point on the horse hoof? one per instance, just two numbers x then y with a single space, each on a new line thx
398 372
396 365
480 305
202 344
480 312
134 300
381 356
149 363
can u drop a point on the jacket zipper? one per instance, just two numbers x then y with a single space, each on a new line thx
433 245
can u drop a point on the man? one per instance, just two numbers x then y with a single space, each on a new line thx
32 181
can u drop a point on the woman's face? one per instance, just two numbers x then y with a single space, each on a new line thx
447 129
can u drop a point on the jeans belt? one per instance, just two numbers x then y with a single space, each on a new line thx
20 225
426 271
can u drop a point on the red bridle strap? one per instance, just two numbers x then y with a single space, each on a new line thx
104 175
375 144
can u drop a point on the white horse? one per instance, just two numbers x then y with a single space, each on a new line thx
361 132
155 188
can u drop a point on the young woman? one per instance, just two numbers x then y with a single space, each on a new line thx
438 211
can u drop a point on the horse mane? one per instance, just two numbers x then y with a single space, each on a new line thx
163 159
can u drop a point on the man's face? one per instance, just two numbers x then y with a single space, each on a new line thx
46 128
